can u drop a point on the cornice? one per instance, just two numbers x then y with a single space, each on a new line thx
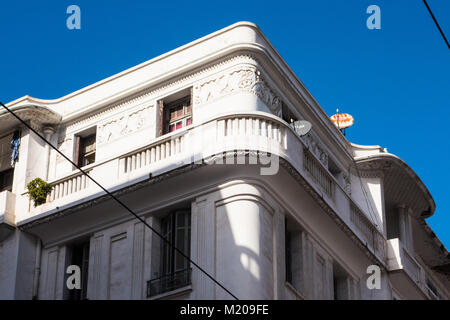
36 113
386 162
187 79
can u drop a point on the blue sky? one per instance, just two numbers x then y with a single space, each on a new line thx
394 81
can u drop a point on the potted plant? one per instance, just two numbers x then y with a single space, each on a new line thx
38 190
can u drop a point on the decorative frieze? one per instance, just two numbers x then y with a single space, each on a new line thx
241 79
148 93
123 125
347 184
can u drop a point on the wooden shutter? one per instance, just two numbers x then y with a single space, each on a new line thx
191 103
77 150
160 117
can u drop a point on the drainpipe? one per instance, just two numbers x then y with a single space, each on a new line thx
37 269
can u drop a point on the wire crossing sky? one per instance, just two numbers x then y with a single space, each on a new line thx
394 80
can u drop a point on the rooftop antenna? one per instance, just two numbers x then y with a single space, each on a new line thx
342 120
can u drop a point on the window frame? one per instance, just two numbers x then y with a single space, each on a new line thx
164 112
169 256
79 256
4 182
81 142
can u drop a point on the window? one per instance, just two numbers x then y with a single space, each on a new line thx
341 283
85 147
287 114
80 257
6 180
392 223
175 112
178 115
288 253
293 254
175 269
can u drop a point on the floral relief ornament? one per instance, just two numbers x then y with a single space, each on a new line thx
243 79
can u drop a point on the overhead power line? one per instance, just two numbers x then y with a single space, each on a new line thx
436 22
121 203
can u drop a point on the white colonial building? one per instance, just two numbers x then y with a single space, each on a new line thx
199 143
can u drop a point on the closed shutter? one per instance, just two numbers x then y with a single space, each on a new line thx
160 117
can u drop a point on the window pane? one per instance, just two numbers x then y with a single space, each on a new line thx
179 125
177 227
180 261
173 114
179 111
180 219
171 128
188 121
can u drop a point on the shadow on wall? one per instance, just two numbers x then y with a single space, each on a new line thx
244 250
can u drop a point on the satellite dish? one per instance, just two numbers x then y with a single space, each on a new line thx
302 127
342 120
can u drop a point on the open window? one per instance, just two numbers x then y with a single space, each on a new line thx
78 255
287 114
85 147
392 223
6 180
174 268
175 111
341 283
6 169
293 254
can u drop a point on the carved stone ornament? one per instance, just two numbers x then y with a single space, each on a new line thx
347 184
123 125
242 79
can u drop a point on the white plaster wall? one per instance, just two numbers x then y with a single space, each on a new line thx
8 265
17 254
244 249
372 202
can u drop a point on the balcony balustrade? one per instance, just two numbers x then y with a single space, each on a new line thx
170 282
404 266
257 132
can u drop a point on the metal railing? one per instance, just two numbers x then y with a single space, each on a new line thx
169 282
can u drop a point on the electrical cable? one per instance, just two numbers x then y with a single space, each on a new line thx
436 22
121 203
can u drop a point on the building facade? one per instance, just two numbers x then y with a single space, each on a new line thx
199 143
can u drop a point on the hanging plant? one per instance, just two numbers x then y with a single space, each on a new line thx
38 190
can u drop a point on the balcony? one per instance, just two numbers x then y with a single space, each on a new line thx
168 283
257 132
407 272
7 206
